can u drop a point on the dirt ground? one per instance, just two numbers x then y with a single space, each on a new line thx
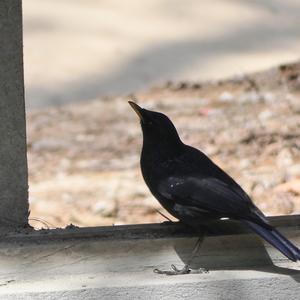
77 50
84 158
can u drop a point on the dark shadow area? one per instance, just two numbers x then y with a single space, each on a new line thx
240 252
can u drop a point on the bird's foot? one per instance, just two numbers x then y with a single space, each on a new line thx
174 271
183 271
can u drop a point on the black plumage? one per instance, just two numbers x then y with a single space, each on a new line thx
193 188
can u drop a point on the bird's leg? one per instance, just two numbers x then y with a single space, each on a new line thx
186 268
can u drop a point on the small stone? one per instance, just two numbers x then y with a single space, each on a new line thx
292 186
283 202
238 78
104 208
252 97
226 97
294 171
284 158
265 115
269 97
244 163
71 226
49 145
181 86
196 86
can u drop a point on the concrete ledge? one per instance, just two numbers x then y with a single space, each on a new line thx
247 285
140 231
118 262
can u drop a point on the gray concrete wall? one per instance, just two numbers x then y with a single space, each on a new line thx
13 162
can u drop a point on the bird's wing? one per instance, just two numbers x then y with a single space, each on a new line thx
210 194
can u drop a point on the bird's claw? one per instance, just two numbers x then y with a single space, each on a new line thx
175 271
183 271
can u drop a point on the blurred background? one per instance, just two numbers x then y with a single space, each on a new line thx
225 71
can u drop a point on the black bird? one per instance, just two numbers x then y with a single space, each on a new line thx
194 189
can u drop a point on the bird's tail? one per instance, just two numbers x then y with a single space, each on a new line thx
276 239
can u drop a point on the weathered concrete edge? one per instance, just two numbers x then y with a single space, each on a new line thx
142 231
269 287
13 158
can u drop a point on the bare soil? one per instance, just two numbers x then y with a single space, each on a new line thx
84 158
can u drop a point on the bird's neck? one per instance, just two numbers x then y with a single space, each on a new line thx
162 150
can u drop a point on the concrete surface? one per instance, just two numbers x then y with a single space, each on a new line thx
13 170
78 50
118 262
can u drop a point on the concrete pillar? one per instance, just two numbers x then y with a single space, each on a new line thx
13 161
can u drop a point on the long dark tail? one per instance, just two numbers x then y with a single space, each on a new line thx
276 239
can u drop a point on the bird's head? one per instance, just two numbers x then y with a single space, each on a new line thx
157 128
